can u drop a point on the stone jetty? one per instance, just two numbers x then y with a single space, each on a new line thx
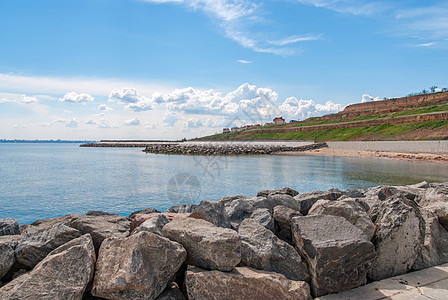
278 244
228 148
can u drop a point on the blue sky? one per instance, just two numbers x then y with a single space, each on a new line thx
168 69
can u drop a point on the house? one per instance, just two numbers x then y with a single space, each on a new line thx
279 120
225 130
234 129
268 124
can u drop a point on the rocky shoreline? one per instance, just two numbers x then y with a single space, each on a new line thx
279 244
230 149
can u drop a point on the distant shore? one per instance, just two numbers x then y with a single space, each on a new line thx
372 154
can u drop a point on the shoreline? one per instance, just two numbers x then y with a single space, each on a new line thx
431 157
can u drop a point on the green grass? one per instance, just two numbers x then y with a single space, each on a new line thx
384 131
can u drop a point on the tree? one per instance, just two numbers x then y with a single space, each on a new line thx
433 89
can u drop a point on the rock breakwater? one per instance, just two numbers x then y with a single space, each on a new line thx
277 244
227 149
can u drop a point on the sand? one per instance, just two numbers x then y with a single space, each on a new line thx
373 154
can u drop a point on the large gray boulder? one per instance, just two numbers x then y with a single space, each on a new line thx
226 200
337 253
264 217
33 247
100 227
434 194
399 237
181 209
7 258
349 209
64 274
153 225
243 283
435 247
238 210
273 200
9 226
172 292
146 211
262 250
137 267
440 209
208 246
283 216
212 212
283 191
307 200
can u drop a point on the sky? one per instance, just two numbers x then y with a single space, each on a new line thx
173 69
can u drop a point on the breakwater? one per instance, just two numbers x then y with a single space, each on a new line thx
263 246
228 148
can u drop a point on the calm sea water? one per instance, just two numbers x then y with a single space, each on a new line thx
40 181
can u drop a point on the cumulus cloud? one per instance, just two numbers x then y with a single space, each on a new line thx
14 98
90 122
72 123
368 98
293 108
105 123
104 107
133 122
25 99
171 119
74 97
126 95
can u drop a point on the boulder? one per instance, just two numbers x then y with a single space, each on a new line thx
435 247
212 212
440 209
349 209
273 200
182 209
153 225
145 211
172 292
283 215
243 283
262 250
420 185
136 267
399 237
306 200
354 193
97 213
33 247
100 227
227 200
7 258
264 217
238 210
64 274
338 254
438 193
283 191
208 246
140 218
9 226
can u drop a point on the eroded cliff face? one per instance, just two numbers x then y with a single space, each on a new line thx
393 105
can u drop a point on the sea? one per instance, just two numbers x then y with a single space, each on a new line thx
39 181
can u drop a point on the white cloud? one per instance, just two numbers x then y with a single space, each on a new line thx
17 98
292 108
90 122
356 7
368 98
105 123
171 119
295 39
74 97
25 99
72 123
104 107
127 95
133 122
243 61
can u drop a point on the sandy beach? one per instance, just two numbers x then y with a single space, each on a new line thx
372 154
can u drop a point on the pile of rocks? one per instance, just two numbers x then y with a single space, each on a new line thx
227 149
277 245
